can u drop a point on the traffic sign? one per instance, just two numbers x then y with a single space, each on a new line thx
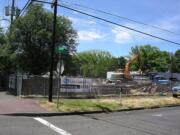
60 67
61 49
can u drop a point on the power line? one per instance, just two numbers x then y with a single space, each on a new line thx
26 5
132 29
125 18
111 22
102 24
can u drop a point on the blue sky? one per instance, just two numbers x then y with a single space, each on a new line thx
95 34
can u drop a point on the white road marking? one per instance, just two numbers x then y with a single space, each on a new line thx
53 127
158 115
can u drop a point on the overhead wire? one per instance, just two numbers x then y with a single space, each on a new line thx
25 7
111 22
104 25
117 24
121 17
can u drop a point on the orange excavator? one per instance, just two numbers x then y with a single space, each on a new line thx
126 70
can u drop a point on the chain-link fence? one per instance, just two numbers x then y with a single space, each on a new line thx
74 87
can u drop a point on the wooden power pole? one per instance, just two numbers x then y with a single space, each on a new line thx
12 10
52 51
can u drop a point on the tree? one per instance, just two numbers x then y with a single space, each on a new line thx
176 62
7 59
121 62
2 37
32 34
150 59
95 63
6 55
161 62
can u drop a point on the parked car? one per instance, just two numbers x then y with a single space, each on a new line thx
176 91
160 80
173 79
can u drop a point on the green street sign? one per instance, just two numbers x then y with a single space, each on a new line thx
61 49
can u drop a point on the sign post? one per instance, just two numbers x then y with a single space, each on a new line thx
60 69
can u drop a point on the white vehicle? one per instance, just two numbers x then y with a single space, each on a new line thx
176 91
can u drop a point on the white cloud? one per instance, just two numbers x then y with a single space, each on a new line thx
47 7
171 23
90 35
165 25
74 12
121 36
81 21
4 24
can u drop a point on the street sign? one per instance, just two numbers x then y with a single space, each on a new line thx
61 49
60 66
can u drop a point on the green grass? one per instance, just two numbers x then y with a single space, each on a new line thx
108 104
80 105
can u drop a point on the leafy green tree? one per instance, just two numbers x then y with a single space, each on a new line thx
121 62
95 63
2 37
150 59
7 59
5 55
32 36
161 62
176 62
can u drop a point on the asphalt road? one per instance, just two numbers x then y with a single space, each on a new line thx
164 121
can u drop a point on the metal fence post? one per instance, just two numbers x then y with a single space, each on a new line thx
44 87
120 95
19 85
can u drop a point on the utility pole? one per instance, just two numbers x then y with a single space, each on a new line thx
52 51
12 10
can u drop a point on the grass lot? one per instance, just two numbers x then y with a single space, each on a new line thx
109 104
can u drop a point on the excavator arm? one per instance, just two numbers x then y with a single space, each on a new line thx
126 70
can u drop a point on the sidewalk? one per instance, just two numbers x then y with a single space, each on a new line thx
12 104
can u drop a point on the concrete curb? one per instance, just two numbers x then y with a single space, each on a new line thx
83 113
